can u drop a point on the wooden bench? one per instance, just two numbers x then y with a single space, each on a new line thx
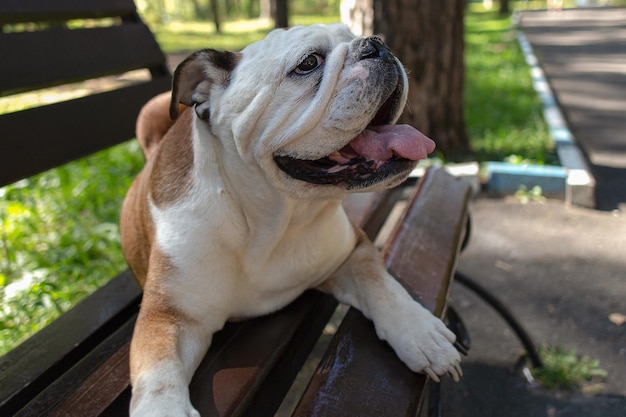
78 365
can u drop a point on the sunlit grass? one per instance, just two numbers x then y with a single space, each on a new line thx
234 35
59 238
66 92
564 369
503 111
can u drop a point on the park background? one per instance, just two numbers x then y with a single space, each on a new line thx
45 270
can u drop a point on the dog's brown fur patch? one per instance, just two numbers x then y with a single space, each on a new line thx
171 174
164 180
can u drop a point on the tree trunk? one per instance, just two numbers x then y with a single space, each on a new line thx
216 16
266 9
250 9
427 36
200 12
280 13
504 7
359 15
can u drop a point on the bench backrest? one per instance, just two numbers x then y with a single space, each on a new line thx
53 43
47 43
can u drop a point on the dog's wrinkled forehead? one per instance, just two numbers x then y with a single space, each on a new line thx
283 47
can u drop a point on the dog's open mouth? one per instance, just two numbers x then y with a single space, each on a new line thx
380 152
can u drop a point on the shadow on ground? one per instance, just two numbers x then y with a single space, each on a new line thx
496 391
560 271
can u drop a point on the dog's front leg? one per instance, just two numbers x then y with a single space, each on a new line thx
166 348
419 338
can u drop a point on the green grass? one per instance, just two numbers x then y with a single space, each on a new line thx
235 35
563 369
53 253
503 112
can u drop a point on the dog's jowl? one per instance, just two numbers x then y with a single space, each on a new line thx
238 209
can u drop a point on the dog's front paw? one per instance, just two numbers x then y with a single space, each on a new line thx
161 397
423 343
160 408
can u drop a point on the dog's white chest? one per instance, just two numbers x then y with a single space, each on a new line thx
244 266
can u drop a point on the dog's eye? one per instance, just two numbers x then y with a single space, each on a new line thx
309 63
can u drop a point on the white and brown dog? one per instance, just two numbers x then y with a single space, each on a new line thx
238 211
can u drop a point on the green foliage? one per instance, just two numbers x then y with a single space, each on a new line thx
525 196
178 37
167 11
314 7
59 238
234 36
564 370
502 109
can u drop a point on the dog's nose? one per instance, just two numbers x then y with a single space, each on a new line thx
373 47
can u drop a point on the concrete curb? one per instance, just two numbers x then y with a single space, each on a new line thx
579 185
466 171
505 179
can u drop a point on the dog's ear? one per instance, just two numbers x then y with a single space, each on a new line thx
196 75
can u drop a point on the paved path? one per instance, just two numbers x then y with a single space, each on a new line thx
583 54
560 270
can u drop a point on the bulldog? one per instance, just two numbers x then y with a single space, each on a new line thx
238 208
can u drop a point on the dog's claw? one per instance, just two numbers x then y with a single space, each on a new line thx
456 373
432 374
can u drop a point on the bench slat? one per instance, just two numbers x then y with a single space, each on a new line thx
105 367
229 379
32 366
432 231
19 11
89 124
81 54
360 375
250 375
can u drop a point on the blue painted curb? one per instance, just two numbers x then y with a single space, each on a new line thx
572 181
505 179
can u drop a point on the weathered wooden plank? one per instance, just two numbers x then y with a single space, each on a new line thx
249 375
104 367
41 138
422 252
79 54
29 368
20 11
360 375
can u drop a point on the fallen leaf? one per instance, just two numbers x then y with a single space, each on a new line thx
503 266
617 318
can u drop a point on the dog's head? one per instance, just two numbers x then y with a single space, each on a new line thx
314 107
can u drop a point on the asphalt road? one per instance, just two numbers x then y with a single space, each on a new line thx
583 54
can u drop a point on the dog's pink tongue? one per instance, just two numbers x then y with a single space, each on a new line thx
382 142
